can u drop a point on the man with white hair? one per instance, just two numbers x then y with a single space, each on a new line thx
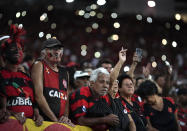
83 100
51 83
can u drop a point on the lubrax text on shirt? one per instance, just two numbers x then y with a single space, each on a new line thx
19 101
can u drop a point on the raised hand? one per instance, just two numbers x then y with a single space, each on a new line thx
122 54
147 70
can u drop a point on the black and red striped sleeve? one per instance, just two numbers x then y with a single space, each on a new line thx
79 103
172 104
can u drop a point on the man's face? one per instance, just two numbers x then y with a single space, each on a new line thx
182 99
107 66
101 85
54 54
14 54
82 82
161 81
127 87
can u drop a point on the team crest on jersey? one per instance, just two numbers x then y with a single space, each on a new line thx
47 70
64 83
125 111
83 108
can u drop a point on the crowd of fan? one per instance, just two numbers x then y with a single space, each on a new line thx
102 98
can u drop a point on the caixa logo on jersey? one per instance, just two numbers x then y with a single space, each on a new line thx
19 101
57 94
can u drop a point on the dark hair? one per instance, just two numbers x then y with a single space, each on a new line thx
51 42
122 77
158 75
138 78
182 91
147 88
106 61
28 57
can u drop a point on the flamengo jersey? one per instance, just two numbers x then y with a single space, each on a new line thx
17 87
55 89
81 104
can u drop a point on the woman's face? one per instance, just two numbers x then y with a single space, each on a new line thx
127 87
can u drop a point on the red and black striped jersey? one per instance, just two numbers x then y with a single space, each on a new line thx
17 87
182 116
82 103
55 89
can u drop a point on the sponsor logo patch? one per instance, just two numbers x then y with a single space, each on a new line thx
19 101
125 111
57 94
83 108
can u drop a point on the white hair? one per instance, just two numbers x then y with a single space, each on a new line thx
95 73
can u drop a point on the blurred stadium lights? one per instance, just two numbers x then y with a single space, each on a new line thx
174 44
50 7
48 36
114 15
95 25
126 68
97 54
41 34
149 20
24 13
83 47
43 16
69 1
164 41
93 6
116 25
151 3
115 37
101 2
81 12
18 14
83 52
139 17
163 57
177 27
177 16
154 64
20 26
